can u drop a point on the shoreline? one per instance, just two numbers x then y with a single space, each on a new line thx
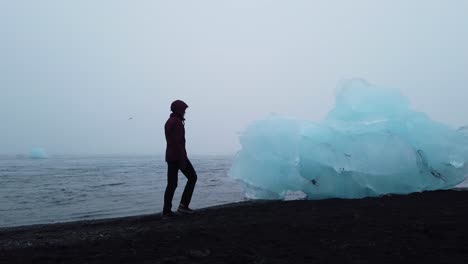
220 206
427 227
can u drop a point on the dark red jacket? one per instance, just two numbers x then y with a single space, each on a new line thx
175 133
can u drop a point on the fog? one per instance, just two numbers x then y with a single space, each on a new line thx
74 73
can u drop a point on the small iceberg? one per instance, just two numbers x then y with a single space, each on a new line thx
38 153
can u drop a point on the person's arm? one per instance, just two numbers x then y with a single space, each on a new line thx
176 139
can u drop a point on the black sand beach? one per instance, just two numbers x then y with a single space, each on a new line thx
430 227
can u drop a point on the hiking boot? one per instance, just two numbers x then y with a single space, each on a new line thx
185 210
169 214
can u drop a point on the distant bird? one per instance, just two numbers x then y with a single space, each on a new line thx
131 118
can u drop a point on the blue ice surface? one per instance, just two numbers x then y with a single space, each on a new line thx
38 153
372 143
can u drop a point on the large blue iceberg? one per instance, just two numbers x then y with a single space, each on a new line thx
370 144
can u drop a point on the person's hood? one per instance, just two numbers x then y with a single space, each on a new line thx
178 107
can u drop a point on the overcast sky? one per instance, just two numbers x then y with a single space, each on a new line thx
73 72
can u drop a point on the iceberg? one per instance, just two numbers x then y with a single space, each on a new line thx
38 153
372 143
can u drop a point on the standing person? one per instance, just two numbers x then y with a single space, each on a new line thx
176 158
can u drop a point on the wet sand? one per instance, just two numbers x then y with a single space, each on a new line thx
430 227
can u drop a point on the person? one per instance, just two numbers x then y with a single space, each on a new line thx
176 158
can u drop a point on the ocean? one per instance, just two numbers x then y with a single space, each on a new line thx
70 188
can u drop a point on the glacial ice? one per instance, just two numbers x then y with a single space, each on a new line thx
38 153
370 144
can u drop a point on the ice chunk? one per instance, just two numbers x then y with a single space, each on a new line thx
38 153
370 144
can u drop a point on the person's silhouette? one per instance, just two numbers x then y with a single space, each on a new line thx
176 158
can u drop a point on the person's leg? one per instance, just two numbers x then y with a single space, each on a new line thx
172 171
191 175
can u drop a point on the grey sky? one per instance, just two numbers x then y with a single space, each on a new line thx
73 72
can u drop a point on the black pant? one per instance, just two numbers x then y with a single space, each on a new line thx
172 177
